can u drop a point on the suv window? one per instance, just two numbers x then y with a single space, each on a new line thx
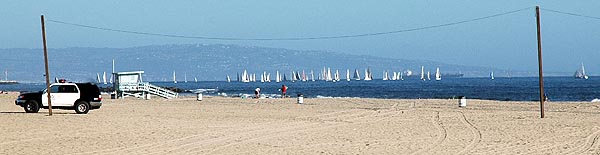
67 89
54 89
63 89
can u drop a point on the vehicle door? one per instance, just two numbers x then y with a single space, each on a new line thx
62 95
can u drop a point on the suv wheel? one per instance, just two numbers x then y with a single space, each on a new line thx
31 106
82 107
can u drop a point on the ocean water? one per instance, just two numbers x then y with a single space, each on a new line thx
509 89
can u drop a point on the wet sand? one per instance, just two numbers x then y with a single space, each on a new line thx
220 125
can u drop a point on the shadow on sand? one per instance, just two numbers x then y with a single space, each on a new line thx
46 113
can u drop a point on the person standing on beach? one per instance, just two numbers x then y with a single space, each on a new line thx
257 92
283 90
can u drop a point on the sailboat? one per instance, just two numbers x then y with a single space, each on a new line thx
277 79
196 79
228 79
492 75
104 78
185 77
423 73
580 74
428 77
386 76
356 75
6 81
328 76
368 75
98 77
174 79
401 78
245 77
303 77
312 75
337 75
394 76
347 74
438 76
268 78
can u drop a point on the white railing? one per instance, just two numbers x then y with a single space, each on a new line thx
148 88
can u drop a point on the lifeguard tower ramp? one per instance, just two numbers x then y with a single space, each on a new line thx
130 84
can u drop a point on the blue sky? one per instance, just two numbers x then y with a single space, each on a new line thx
506 42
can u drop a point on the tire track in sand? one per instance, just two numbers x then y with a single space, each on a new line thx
476 132
305 128
442 132
188 140
273 135
589 142
190 144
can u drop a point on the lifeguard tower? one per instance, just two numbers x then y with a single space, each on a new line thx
130 84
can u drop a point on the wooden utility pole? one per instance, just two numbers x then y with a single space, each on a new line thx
539 43
46 63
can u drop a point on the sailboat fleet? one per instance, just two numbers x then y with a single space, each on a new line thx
332 75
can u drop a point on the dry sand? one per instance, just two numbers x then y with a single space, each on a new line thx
320 126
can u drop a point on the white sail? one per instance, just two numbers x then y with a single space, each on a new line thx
303 76
394 78
98 78
356 75
328 77
438 76
195 79
312 75
423 73
581 73
347 74
185 77
401 78
174 78
277 77
268 79
492 75
104 77
428 77
245 76
368 75
228 79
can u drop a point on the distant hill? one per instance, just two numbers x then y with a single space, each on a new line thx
206 62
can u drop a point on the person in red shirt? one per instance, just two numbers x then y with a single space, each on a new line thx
283 90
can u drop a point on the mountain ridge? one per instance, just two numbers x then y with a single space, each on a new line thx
207 62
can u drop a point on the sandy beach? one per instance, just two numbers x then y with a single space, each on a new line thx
219 125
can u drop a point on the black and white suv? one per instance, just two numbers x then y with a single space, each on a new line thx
78 96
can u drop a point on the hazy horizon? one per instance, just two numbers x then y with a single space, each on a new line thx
506 41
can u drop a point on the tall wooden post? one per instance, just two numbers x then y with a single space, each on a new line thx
541 74
46 64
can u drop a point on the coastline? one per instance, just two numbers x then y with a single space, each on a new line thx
223 125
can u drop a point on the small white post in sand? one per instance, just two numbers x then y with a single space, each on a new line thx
300 98
199 97
462 101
